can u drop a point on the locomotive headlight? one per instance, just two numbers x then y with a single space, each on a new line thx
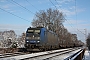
27 41
38 41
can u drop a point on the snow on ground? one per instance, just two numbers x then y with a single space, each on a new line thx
87 55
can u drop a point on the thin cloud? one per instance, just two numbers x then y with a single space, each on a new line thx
70 9
68 12
7 7
2 0
17 28
64 1
12 26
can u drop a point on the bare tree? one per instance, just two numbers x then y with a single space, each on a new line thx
88 41
53 19
50 18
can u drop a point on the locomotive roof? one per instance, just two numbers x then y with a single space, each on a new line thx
35 27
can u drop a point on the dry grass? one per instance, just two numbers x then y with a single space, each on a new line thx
8 50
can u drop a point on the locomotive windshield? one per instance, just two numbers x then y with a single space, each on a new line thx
30 31
37 31
34 31
33 34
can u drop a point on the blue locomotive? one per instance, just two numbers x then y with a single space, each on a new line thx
44 39
41 38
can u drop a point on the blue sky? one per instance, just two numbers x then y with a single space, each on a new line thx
18 14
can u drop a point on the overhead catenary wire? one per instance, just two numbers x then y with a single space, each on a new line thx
58 5
81 32
31 11
31 4
76 17
14 15
52 4
23 7
76 12
65 19
61 10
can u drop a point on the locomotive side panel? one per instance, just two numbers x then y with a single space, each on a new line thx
43 36
52 39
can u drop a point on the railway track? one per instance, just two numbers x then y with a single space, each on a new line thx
51 54
5 55
39 55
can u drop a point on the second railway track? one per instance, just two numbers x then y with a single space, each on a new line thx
51 54
5 55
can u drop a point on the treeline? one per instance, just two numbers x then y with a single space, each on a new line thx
88 41
9 39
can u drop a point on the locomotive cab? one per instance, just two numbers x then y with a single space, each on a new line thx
34 37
